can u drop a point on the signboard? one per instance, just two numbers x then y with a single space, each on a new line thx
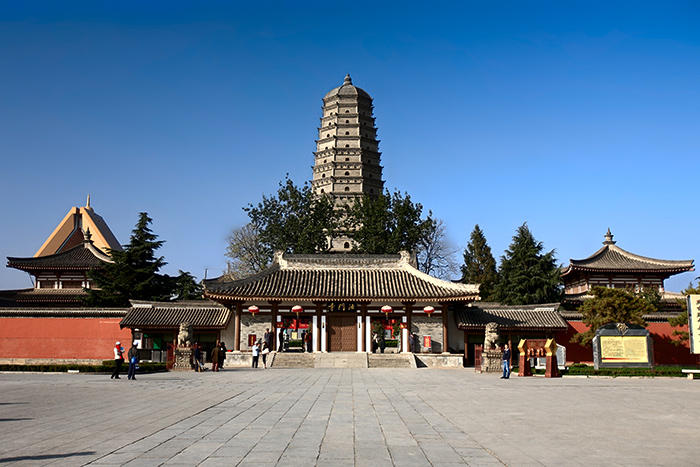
623 349
342 306
694 323
427 342
619 345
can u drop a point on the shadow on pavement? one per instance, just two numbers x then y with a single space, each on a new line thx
46 456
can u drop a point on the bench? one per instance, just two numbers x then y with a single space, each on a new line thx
691 373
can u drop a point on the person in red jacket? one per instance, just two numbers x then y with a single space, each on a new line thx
118 359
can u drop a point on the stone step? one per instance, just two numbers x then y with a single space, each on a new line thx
292 360
341 360
391 360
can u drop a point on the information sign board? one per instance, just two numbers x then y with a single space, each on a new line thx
694 323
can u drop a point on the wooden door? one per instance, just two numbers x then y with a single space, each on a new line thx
342 333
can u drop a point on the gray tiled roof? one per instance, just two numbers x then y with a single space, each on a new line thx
82 257
524 317
166 315
42 298
340 277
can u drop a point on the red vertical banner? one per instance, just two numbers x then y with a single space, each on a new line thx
427 342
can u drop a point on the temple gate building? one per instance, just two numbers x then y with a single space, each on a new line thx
613 267
49 321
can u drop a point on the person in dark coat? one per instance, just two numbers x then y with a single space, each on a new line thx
280 339
222 354
215 357
267 338
506 362
382 342
133 361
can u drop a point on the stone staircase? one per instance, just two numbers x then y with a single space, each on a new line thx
341 360
292 360
376 360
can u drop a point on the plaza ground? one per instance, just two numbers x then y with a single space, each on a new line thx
335 417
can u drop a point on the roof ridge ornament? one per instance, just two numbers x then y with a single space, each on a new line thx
609 238
88 236
347 80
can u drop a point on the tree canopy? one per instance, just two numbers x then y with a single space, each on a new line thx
294 221
611 306
387 223
435 255
133 274
527 275
479 265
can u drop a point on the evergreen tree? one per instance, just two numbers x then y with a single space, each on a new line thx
387 223
185 287
611 306
133 272
527 275
479 265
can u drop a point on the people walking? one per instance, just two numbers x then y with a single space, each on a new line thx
506 362
118 359
264 352
256 353
222 354
133 361
309 341
382 342
267 338
215 357
198 364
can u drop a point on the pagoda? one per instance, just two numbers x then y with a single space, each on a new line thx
82 241
346 165
613 267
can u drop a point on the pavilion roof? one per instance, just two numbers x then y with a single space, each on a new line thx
329 277
42 298
201 314
515 317
82 257
612 258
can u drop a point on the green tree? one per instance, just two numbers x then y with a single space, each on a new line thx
387 223
611 306
133 273
479 265
681 336
294 221
185 287
526 274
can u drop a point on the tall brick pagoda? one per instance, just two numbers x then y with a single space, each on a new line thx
347 153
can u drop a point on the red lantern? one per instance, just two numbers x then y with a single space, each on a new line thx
386 309
297 309
428 310
253 309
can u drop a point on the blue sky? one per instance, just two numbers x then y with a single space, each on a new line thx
572 116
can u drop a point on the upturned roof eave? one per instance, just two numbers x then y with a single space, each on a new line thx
231 298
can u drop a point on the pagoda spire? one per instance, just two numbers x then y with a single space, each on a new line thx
609 238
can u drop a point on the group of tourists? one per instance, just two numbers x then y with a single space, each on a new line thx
218 355
133 357
283 341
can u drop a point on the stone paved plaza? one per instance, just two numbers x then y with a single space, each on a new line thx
336 417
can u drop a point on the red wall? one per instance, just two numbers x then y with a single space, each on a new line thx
61 338
665 351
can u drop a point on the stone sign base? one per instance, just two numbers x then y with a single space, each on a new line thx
491 361
183 357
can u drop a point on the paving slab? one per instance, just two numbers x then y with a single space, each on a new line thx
348 416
